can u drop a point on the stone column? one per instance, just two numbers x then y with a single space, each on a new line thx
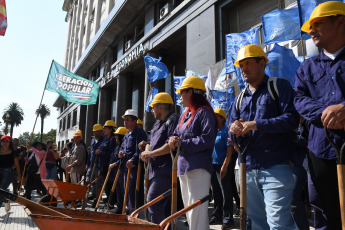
123 97
91 119
104 106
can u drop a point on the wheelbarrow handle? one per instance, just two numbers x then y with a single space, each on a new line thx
32 205
183 211
152 202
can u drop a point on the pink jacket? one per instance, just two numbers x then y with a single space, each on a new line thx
41 154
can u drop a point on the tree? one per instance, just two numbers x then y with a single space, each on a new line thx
16 115
24 138
44 112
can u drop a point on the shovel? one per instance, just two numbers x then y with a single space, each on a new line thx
137 186
174 183
115 182
92 173
126 190
243 181
341 175
100 195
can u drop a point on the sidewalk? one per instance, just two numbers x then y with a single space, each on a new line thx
16 219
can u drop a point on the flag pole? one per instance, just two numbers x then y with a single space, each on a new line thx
303 51
227 101
174 88
32 133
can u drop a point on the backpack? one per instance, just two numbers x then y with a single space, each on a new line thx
272 90
32 165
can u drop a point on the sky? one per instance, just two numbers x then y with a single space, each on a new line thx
36 34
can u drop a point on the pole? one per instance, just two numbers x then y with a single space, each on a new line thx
32 134
173 88
303 51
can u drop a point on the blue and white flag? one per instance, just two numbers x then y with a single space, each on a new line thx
282 25
155 69
282 63
150 98
306 7
234 42
219 99
177 83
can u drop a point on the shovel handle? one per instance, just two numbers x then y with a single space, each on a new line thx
100 195
339 152
126 191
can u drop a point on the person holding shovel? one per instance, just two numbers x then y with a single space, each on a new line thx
78 158
96 141
320 99
221 175
271 124
103 153
130 151
158 151
196 131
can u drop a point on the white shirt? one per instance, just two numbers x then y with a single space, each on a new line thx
333 55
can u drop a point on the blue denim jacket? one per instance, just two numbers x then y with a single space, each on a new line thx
272 143
319 83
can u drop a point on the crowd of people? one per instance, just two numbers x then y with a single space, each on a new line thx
289 161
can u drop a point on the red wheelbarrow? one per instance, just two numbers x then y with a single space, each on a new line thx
61 218
62 192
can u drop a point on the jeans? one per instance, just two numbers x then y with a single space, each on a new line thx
6 176
297 205
222 193
269 195
51 172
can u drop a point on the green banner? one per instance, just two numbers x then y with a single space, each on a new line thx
71 87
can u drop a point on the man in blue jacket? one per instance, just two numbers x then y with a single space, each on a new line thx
320 99
269 178
130 151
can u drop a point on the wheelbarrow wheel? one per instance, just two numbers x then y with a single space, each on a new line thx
46 199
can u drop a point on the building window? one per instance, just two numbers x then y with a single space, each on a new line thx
75 113
64 124
60 126
233 18
68 121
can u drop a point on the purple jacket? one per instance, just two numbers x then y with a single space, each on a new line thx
160 133
197 141
319 83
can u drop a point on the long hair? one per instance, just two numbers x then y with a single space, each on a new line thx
196 102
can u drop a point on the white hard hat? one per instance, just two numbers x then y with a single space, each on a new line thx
130 112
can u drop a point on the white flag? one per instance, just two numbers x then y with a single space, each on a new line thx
209 84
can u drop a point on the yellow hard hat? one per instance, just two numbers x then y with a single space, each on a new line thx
78 133
325 9
110 123
54 145
220 112
97 127
139 122
121 131
250 51
192 82
162 98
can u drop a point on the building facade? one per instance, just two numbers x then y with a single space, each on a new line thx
107 39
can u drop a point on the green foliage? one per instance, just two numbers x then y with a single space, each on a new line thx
24 138
16 115
44 112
